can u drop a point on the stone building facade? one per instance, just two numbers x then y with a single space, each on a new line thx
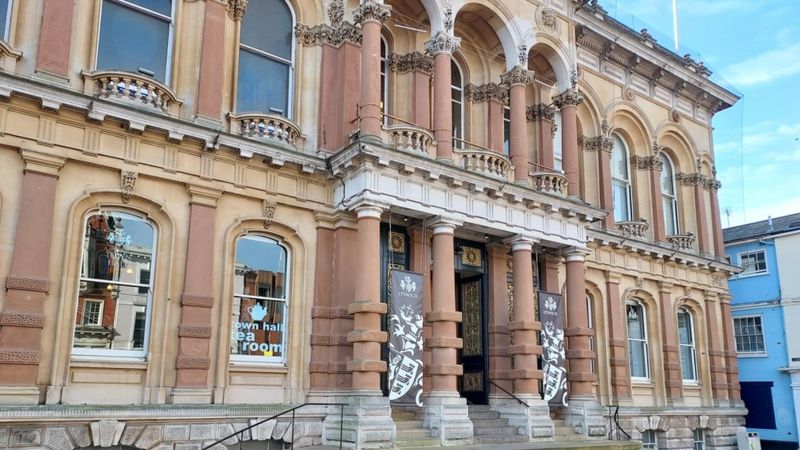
200 202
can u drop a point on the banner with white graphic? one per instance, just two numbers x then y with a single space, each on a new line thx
554 364
405 339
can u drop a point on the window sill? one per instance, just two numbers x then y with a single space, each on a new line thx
752 355
272 367
749 275
107 362
642 382
691 384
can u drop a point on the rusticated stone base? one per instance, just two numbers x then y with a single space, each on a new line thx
366 423
585 416
447 417
532 421
675 431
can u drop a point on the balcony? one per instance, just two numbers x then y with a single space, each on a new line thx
411 138
483 161
265 127
636 229
550 182
131 89
683 242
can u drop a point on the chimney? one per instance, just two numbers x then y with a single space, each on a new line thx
769 224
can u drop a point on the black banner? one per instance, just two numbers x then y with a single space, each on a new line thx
554 364
405 339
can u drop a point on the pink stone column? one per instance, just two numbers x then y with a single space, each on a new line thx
669 335
420 262
524 327
568 102
211 78
606 195
322 352
496 136
55 38
579 350
442 46
445 342
367 308
716 350
731 369
716 223
550 279
517 78
618 345
28 282
499 338
422 98
702 218
654 167
194 331
543 115
370 15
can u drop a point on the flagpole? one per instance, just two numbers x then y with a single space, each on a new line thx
675 22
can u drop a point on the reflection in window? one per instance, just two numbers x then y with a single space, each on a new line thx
558 150
669 197
637 340
748 334
753 262
649 439
699 438
115 285
457 96
259 299
384 78
687 346
266 59
620 181
151 22
506 130
5 18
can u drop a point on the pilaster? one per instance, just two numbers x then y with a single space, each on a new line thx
672 365
568 102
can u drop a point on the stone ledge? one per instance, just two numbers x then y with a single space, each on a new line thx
580 354
367 336
443 316
525 325
525 374
445 369
444 342
367 307
365 365
525 349
578 331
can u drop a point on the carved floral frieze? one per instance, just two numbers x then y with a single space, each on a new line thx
540 111
485 92
442 42
570 97
517 75
410 62
371 10
321 34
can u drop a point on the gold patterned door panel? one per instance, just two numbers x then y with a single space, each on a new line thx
473 333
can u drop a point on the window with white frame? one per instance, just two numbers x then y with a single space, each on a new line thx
151 22
506 130
266 59
621 180
260 295
384 78
699 437
669 196
457 97
637 340
754 262
115 286
649 439
748 334
558 150
688 352
5 18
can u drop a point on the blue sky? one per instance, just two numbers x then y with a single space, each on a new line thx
755 47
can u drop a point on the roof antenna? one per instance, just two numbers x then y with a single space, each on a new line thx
769 224
728 216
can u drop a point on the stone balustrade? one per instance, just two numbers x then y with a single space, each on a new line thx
485 162
266 127
551 182
636 229
411 139
684 242
132 89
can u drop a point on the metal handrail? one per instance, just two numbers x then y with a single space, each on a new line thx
616 421
509 393
291 410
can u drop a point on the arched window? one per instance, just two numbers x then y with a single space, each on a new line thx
688 352
558 151
266 59
506 130
5 18
590 324
621 181
384 78
669 197
151 22
115 285
260 285
637 340
457 91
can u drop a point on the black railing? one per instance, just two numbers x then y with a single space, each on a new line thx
292 410
616 429
509 393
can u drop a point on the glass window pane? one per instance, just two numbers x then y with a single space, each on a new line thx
257 327
117 307
160 6
117 247
455 74
4 12
557 146
619 159
263 84
687 362
457 132
638 359
621 205
669 215
667 181
268 26
684 327
260 267
116 50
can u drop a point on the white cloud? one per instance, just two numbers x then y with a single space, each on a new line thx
766 67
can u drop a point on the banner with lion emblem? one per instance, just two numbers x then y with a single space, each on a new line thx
554 364
405 339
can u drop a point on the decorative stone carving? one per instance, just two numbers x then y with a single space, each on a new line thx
522 55
106 433
25 438
197 300
410 62
651 162
691 179
675 116
325 34
336 12
547 19
269 212
27 284
570 97
634 229
682 241
448 19
19 356
127 182
596 143
371 10
442 42
189 362
486 92
540 111
22 319
194 331
237 9
517 75
80 436
57 439
628 94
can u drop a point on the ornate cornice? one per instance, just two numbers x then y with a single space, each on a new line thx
540 111
486 92
371 10
410 62
517 75
442 42
596 143
651 162
236 9
326 34
570 97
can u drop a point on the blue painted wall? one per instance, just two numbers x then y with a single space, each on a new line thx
754 288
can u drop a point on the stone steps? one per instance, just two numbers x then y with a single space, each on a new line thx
410 432
489 428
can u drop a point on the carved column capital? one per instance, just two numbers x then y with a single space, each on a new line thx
336 12
597 143
691 179
570 97
236 9
371 10
517 75
540 111
442 42
410 62
486 92
651 162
